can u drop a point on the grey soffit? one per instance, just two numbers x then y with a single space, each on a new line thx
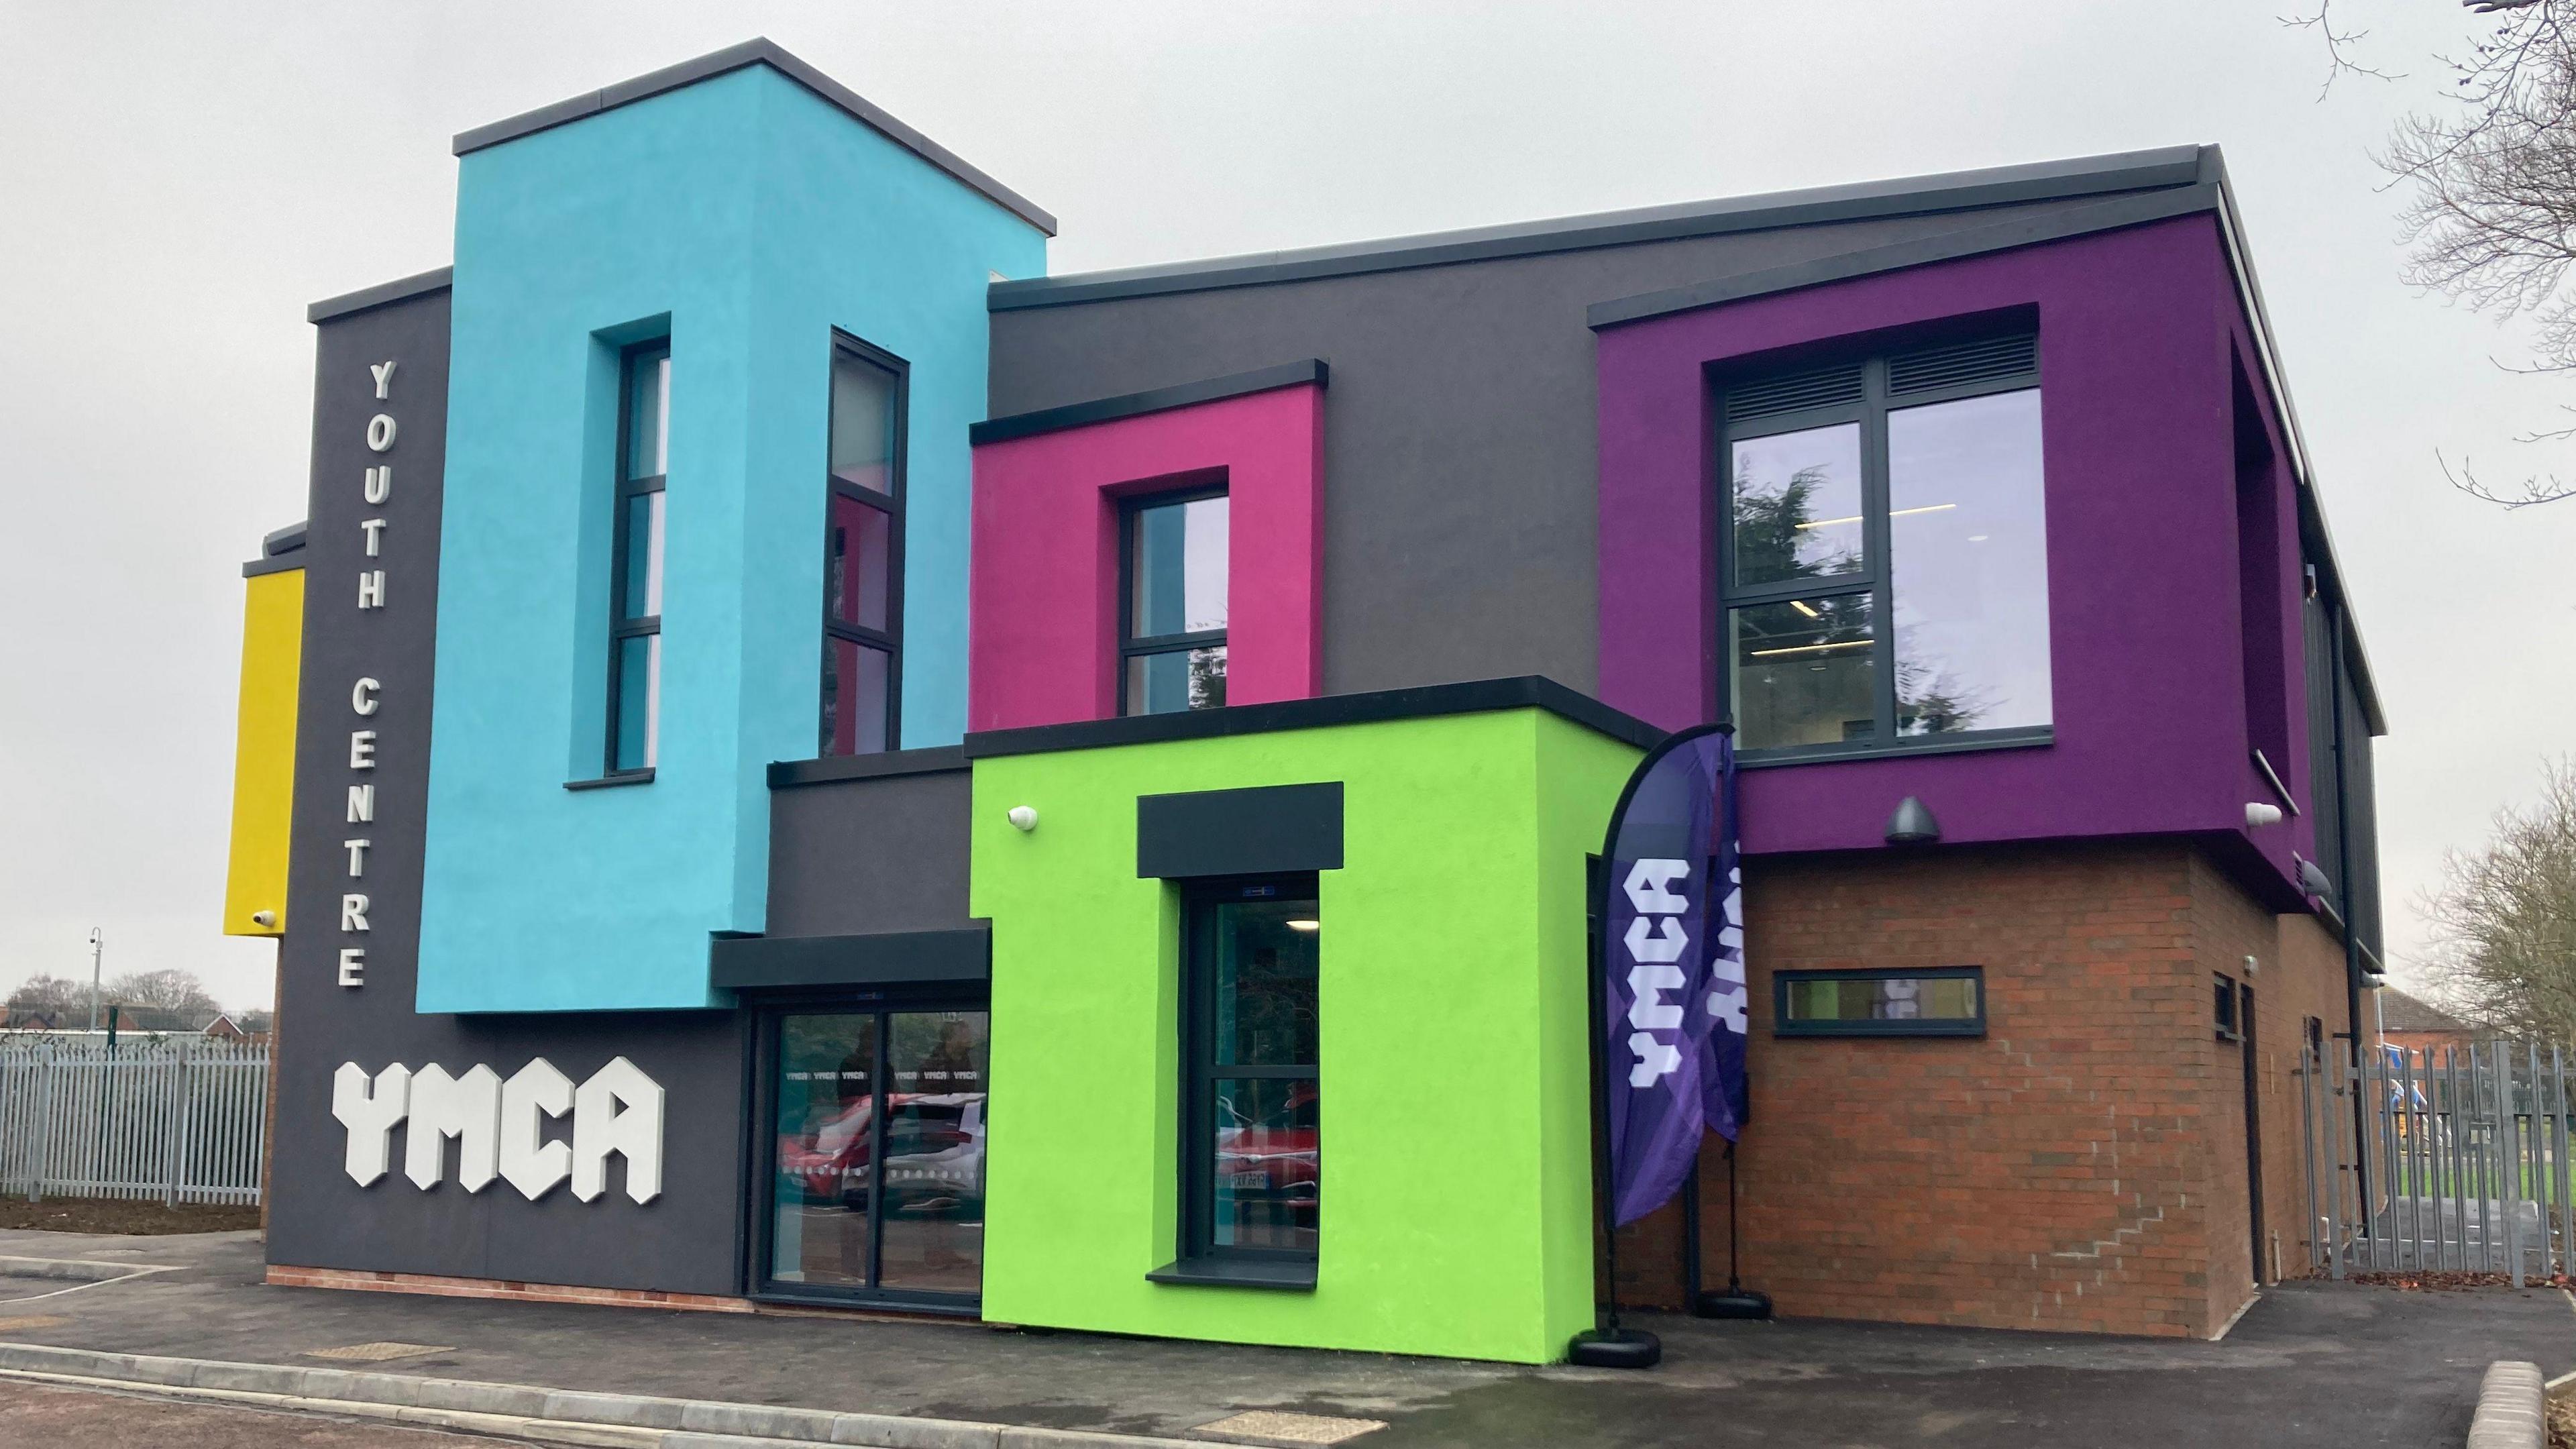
890 958
758 51
1265 830
831 769
2020 231
2164 167
1153 400
401 289
1526 691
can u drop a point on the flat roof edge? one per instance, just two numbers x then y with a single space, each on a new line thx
1311 370
2023 231
1525 691
2163 167
759 50
402 289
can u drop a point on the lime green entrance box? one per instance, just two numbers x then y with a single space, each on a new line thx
1448 1146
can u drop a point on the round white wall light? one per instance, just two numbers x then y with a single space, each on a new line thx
2258 814
1025 817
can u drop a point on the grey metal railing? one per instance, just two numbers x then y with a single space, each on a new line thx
2457 1159
181 1119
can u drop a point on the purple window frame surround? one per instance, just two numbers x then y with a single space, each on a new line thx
2139 329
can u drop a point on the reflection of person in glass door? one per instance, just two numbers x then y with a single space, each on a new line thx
842 1138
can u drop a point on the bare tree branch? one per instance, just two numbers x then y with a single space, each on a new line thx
2338 62
2534 490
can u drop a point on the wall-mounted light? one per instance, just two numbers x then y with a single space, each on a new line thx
1307 926
2259 813
1024 817
1912 824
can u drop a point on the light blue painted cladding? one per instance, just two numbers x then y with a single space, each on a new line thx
758 218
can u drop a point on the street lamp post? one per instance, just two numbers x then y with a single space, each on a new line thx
97 949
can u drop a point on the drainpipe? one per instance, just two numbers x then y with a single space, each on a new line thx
2351 920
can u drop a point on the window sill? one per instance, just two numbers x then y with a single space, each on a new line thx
2022 739
1291 1275
622 777
1850 1030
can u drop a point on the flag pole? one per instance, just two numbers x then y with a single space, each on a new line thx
1737 1301
1606 1344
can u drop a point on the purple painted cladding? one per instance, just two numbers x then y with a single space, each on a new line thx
2136 330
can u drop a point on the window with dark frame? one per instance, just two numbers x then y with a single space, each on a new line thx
1172 601
1934 1001
863 554
1883 569
635 560
1251 1132
2223 1011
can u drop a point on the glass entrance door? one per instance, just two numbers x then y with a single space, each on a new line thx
876 1183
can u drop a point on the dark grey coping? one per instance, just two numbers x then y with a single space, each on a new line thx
1957 191
1290 1275
758 51
401 289
612 781
1526 691
2020 231
281 550
743 963
786 774
1152 400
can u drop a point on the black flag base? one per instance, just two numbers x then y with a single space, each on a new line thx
1735 1302
1615 1348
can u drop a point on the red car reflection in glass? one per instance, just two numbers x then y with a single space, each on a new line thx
935 1156
1277 1155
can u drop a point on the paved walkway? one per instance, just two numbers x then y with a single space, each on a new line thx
34 1416
2310 1364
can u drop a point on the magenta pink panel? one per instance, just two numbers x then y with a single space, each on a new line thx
1042 638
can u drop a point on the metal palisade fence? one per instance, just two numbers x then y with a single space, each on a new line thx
180 1119
2463 1160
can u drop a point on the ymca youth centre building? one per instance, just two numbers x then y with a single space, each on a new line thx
779 775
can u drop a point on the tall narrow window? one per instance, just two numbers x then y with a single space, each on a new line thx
1886 553
1252 1144
863 557
1172 655
635 566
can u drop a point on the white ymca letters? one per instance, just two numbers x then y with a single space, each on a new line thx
1655 940
499 1126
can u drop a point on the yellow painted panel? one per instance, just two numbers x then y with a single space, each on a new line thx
264 753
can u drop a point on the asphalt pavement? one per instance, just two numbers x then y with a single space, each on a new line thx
2311 1363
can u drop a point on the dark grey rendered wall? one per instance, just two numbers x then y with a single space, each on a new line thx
886 853
687 1240
1460 460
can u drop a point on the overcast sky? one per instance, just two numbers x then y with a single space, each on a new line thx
177 181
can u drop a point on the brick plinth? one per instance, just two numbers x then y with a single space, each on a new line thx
437 1286
2080 1167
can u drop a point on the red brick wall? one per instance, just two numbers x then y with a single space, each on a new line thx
2082 1166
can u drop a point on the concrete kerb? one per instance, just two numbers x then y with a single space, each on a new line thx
560 1416
2510 1414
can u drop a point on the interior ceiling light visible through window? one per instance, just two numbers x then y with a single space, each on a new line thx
1893 513
1812 648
